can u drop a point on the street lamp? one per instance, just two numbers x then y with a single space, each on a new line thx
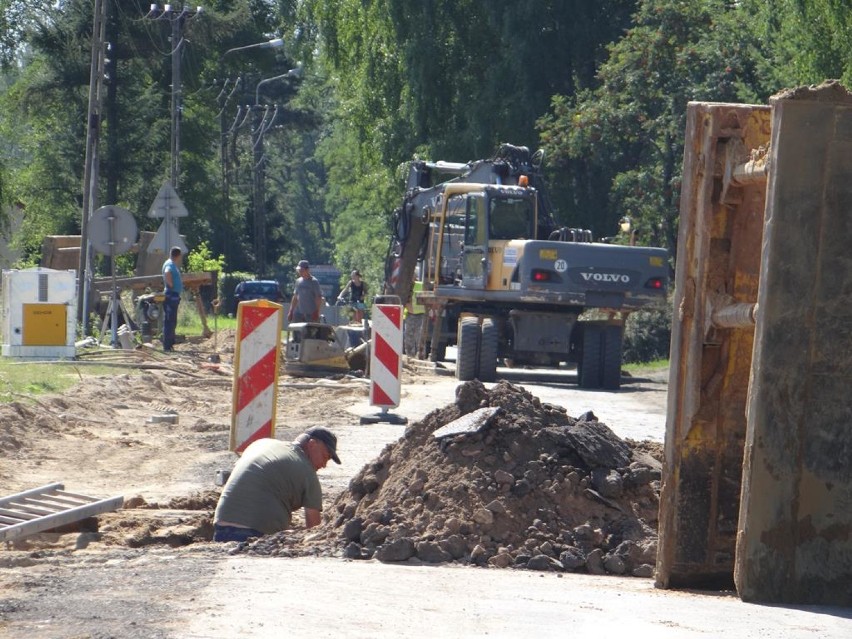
292 73
274 43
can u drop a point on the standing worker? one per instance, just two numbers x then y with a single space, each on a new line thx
307 296
355 292
272 480
174 287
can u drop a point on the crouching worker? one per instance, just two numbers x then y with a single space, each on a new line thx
271 480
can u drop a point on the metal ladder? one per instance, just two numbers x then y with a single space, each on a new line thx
47 507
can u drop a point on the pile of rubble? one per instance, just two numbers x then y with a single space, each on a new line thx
501 479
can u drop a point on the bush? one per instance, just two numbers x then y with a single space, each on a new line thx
201 260
647 335
227 283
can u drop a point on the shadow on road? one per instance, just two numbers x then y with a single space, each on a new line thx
566 378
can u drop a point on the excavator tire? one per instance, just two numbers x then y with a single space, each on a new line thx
488 351
600 366
589 368
611 360
467 360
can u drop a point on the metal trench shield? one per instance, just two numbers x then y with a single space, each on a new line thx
795 541
718 266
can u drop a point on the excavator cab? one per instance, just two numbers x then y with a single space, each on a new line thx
495 219
496 222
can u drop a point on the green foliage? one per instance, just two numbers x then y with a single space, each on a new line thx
201 259
601 84
189 321
647 335
441 80
17 379
227 283
628 130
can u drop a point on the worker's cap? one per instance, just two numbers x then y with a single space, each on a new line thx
303 264
355 272
326 437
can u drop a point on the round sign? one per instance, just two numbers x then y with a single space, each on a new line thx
112 230
560 266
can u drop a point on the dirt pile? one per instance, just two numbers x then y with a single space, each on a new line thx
532 488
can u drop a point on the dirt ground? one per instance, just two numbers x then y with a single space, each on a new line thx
150 572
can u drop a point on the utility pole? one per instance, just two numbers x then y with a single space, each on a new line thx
177 20
177 42
258 129
259 160
90 170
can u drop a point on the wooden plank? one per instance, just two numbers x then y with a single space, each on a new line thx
190 281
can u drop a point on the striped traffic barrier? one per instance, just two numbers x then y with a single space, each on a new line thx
256 358
385 361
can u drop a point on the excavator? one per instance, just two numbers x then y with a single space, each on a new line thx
500 280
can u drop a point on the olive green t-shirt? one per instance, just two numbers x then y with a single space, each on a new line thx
270 481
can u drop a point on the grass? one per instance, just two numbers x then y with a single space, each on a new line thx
653 366
189 321
17 379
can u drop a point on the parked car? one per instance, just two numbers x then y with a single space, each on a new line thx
259 290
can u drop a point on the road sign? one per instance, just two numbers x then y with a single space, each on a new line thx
386 356
256 360
112 230
167 203
167 236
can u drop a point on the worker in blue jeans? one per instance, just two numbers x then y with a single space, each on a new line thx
174 287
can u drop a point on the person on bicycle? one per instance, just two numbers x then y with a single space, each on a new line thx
354 294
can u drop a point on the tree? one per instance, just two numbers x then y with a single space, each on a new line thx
439 79
628 130
44 112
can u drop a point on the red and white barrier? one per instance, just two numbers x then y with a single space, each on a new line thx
256 358
386 355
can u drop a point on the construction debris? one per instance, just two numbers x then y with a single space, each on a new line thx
523 485
48 507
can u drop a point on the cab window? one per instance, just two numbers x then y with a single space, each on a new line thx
474 233
511 218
